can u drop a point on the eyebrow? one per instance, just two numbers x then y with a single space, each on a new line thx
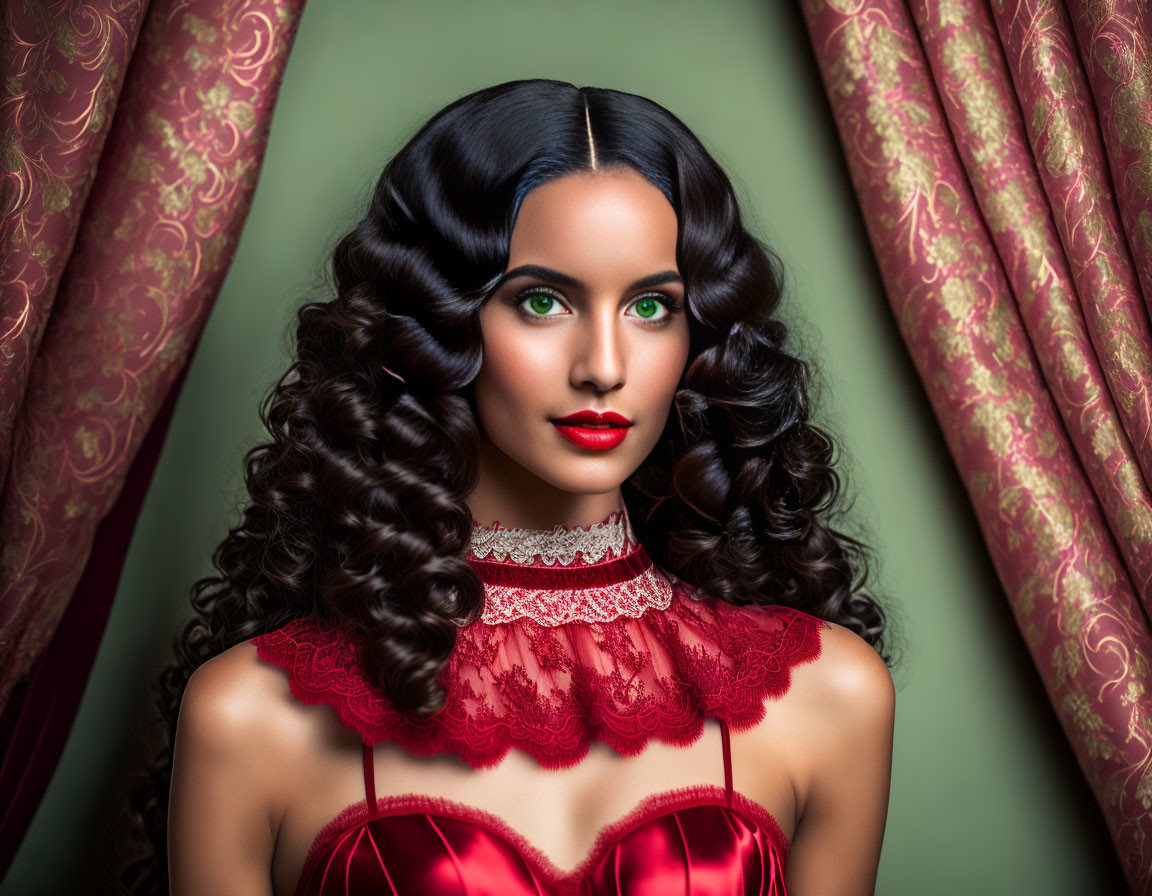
543 273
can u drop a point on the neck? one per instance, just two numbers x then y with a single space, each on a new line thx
556 576
609 538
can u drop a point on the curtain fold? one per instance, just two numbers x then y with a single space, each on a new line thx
1115 43
1063 128
973 146
117 233
63 65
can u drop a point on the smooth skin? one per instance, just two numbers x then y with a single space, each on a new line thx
596 342
256 773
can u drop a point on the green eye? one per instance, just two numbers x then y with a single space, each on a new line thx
540 303
649 307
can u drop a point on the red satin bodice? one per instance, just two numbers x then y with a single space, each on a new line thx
696 841
582 639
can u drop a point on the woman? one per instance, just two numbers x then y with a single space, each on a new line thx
536 590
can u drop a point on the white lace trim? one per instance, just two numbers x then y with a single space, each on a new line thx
650 589
606 540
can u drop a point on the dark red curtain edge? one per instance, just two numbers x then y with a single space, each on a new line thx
38 718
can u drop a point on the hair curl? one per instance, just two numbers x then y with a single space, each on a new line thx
356 512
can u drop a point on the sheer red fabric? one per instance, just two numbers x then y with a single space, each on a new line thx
582 639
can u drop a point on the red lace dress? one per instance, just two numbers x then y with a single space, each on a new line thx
582 639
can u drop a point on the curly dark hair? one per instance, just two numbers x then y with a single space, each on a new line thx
356 513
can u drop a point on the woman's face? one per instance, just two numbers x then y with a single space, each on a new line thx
588 319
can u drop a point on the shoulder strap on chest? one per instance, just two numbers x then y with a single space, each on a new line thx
725 739
369 779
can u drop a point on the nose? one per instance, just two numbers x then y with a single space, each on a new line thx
599 353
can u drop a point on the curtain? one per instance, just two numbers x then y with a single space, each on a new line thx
131 138
1001 153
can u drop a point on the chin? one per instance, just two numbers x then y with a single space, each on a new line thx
593 483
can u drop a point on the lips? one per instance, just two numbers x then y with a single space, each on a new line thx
593 419
594 430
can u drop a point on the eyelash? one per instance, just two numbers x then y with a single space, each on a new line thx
667 301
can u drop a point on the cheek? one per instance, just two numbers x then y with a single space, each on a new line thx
661 372
512 375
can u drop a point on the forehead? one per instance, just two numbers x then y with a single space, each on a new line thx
612 217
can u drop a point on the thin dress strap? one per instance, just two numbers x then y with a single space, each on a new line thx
726 741
369 780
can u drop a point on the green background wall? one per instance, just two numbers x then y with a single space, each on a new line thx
986 796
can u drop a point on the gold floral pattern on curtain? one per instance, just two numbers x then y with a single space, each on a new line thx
106 291
131 137
1002 157
61 73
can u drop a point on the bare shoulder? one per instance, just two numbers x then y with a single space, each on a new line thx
232 689
845 693
233 751
848 683
236 703
843 707
845 688
833 701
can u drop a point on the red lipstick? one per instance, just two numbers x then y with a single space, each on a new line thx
594 430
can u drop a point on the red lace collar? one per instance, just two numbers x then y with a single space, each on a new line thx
583 638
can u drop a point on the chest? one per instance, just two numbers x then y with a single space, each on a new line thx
441 825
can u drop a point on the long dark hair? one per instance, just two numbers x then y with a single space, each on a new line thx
356 511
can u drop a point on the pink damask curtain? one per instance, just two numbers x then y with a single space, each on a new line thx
1002 157
131 137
